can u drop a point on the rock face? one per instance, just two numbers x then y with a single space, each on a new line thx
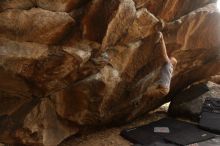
193 39
34 25
58 5
215 79
170 10
74 63
188 103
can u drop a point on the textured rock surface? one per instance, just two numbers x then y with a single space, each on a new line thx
189 38
76 63
43 122
52 5
188 103
169 10
142 26
215 79
34 25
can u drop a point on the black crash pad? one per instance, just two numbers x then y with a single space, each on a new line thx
145 135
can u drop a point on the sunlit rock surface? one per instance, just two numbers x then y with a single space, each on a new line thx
69 64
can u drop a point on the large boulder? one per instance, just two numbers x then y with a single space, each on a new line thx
105 62
102 96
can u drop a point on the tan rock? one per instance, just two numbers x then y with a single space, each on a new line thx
17 61
107 21
192 31
215 79
34 25
118 26
27 70
43 122
103 95
107 99
47 68
173 9
153 6
170 10
115 64
51 5
16 4
152 85
143 26
60 5
97 18
35 123
195 45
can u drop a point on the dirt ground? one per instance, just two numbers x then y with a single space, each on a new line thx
110 136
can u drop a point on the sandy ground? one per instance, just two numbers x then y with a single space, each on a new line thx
110 136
